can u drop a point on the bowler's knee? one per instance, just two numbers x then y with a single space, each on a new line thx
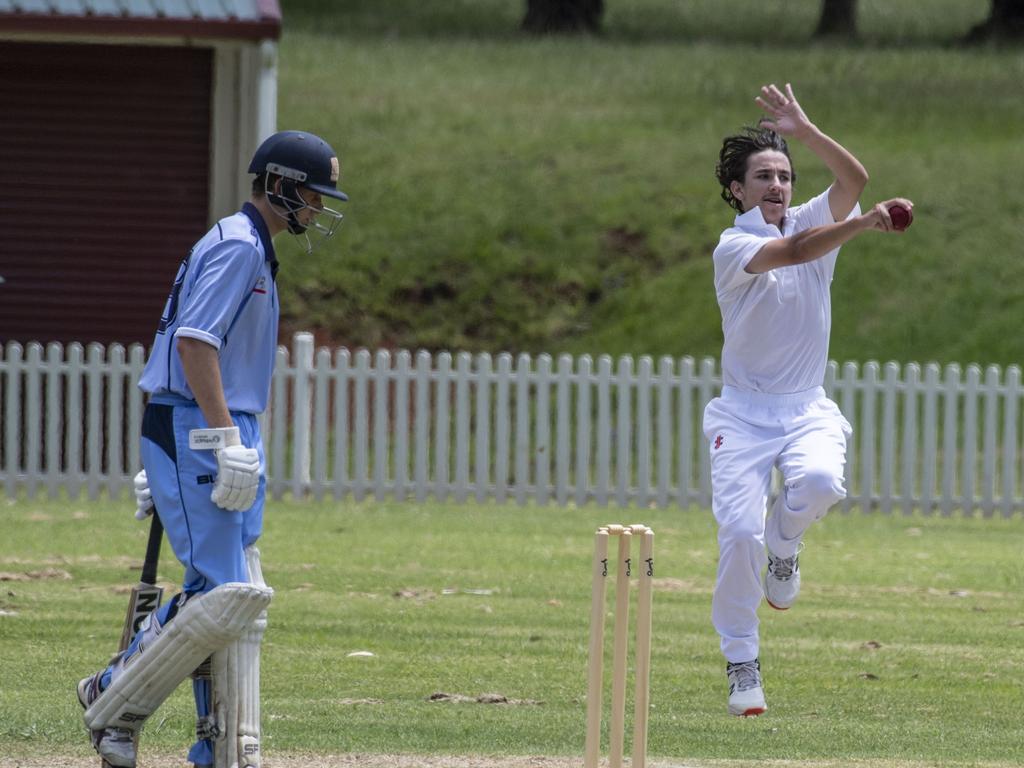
816 491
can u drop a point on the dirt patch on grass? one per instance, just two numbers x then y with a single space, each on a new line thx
43 575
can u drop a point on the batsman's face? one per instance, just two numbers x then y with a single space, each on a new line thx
768 184
314 206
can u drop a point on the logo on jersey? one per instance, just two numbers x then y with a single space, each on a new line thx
261 285
718 441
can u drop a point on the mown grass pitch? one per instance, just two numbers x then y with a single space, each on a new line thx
905 647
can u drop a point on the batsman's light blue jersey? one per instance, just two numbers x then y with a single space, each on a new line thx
223 295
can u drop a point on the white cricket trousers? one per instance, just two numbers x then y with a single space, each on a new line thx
805 436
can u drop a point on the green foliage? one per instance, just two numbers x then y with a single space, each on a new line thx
902 647
548 195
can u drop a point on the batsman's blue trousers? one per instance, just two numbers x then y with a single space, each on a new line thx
209 541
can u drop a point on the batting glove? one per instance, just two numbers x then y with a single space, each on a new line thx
238 475
143 496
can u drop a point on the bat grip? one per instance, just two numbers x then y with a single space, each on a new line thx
156 532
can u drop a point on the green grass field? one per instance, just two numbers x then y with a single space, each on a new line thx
904 649
549 195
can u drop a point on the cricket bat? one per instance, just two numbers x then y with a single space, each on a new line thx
146 595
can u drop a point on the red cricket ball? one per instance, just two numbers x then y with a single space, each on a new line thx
902 217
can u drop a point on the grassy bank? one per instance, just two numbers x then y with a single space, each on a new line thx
517 194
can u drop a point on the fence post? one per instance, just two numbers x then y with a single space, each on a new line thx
563 413
644 386
302 345
604 429
463 377
688 437
321 421
278 426
847 393
522 436
664 431
94 418
403 378
949 438
54 418
421 461
583 429
361 426
887 463
910 448
1011 393
381 401
482 464
12 417
442 426
989 433
342 421
930 439
969 446
33 429
502 427
623 431
542 431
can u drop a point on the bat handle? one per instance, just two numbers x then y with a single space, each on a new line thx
156 532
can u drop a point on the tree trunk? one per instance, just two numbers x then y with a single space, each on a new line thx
838 19
561 17
1005 22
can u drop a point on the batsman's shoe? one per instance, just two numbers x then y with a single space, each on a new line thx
746 696
115 745
782 581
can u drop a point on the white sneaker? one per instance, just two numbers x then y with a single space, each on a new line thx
115 745
746 696
782 580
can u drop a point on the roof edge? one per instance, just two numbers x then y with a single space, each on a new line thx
268 27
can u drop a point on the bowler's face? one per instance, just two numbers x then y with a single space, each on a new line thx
768 184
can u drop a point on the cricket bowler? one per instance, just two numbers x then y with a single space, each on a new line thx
773 274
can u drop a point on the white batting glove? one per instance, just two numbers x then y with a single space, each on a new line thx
238 474
238 467
143 496
238 477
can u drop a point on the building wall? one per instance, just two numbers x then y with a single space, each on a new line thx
106 154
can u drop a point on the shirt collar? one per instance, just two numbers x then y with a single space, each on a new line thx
753 220
260 226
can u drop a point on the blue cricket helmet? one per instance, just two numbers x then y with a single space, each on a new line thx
303 158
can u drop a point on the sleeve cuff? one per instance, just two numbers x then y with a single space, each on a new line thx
195 333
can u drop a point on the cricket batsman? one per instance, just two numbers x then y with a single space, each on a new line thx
208 378
773 276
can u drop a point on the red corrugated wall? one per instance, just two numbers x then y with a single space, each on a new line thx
104 163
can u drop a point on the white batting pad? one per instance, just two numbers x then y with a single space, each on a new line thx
205 624
236 688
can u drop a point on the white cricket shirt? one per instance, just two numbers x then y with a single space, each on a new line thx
776 323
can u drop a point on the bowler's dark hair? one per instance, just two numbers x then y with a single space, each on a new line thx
736 151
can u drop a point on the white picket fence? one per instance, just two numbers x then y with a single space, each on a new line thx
524 429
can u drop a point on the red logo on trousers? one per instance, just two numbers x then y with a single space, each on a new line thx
718 441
